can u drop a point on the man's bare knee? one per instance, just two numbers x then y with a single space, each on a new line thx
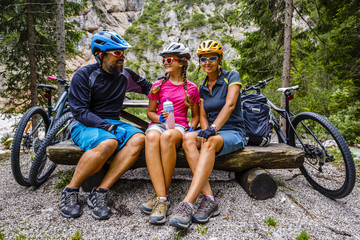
108 145
136 141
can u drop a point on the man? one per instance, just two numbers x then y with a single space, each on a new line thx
96 97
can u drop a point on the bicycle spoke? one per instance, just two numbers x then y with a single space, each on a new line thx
328 164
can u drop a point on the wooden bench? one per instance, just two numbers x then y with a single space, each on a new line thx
248 164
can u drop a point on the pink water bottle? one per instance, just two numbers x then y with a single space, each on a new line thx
170 120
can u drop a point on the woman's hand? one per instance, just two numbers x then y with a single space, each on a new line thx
163 116
207 133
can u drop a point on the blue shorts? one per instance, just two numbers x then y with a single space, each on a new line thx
233 141
88 137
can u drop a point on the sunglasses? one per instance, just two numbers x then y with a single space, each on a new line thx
169 60
211 59
117 53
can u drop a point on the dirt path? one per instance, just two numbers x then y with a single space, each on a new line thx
28 213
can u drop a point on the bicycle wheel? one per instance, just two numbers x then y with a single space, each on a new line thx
42 167
329 166
28 137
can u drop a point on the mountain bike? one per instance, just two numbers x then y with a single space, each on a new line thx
32 129
328 165
42 167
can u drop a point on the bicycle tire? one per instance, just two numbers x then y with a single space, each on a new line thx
26 141
329 166
42 167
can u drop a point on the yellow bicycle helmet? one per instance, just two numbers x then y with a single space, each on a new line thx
210 46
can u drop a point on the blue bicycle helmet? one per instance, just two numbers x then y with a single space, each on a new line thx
107 41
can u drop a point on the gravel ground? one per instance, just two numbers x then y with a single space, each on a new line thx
29 213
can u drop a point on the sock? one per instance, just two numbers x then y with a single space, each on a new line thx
192 206
211 197
72 189
163 199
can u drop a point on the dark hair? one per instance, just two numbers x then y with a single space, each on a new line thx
156 89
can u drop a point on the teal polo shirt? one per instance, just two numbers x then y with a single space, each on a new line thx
213 103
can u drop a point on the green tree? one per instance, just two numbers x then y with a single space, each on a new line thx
28 46
325 55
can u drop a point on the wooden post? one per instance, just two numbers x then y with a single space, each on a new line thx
258 183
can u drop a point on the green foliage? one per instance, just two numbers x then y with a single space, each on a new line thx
325 55
77 235
2 236
6 140
145 31
303 236
63 178
271 222
202 229
198 20
20 237
14 45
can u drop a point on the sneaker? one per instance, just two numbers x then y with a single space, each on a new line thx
147 207
98 202
205 210
159 212
181 217
69 203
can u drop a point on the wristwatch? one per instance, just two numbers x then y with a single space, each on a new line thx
213 126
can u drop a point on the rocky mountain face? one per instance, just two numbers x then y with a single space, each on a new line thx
149 25
113 15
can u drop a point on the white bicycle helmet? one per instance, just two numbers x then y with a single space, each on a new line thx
177 49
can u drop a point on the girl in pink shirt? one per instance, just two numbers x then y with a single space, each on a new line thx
160 142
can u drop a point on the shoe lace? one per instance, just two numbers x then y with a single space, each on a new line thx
102 199
160 208
183 209
205 205
72 198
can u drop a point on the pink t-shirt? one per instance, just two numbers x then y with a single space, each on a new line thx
176 94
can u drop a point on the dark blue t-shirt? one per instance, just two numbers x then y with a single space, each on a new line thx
95 95
213 103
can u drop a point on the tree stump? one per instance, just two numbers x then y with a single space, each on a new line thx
258 183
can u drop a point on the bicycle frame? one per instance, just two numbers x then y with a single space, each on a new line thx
287 115
59 106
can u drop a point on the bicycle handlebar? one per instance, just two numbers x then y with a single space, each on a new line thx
257 86
61 81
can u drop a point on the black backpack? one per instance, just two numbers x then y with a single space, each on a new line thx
258 125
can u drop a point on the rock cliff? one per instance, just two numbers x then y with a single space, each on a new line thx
149 25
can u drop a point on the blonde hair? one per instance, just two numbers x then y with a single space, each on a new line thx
188 102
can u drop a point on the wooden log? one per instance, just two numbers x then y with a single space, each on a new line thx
270 157
258 183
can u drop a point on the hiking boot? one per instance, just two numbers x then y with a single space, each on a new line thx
159 212
98 202
205 210
181 217
69 203
147 207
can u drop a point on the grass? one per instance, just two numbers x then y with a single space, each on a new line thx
77 235
63 178
303 236
202 229
271 222
6 140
